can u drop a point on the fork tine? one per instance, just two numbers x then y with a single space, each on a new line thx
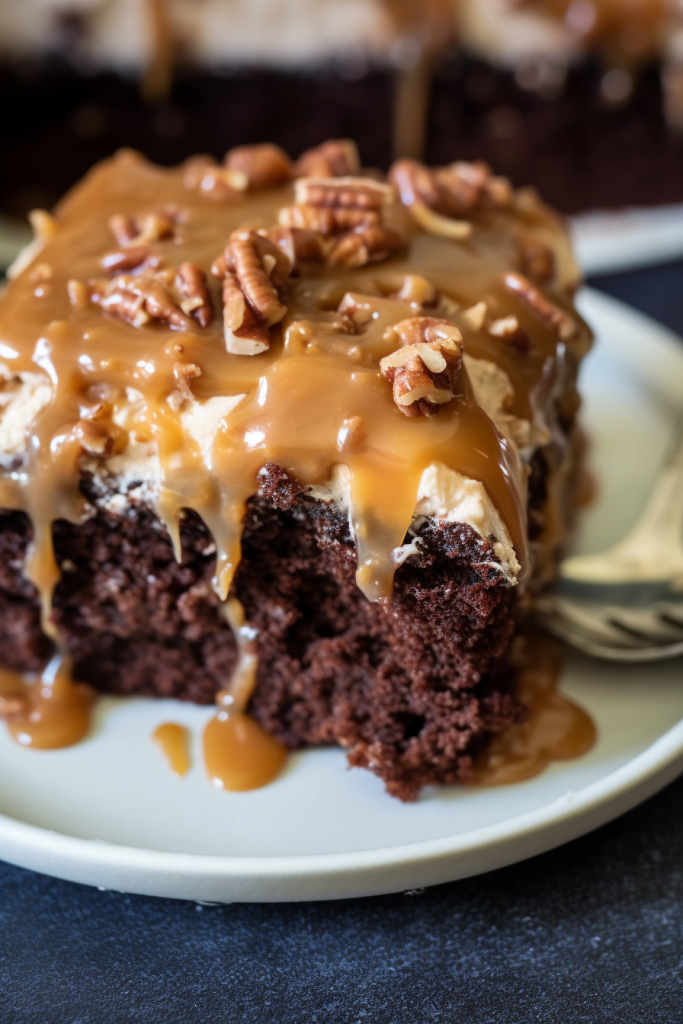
646 624
592 620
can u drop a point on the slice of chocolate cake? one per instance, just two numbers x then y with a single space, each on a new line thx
290 437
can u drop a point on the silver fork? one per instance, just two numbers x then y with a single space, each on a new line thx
626 603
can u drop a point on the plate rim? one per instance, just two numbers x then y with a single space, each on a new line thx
384 869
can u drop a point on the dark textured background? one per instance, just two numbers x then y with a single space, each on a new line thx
590 933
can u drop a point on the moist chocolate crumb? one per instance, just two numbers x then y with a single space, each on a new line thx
409 690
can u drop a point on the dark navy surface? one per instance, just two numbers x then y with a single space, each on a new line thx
589 933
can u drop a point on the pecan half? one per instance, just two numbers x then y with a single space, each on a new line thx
218 183
540 306
441 198
350 210
94 438
264 165
253 268
336 158
424 369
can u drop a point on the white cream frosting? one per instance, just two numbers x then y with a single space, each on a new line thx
135 474
22 396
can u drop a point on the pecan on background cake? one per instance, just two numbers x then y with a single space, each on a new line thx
325 415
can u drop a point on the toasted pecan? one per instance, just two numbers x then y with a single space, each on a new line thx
196 301
423 370
253 268
541 307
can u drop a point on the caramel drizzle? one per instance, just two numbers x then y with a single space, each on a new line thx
297 396
556 728
173 740
238 753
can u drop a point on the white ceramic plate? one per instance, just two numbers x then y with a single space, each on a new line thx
605 242
109 813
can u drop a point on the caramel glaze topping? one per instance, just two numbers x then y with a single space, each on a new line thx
133 338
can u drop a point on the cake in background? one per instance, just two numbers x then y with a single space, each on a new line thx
582 99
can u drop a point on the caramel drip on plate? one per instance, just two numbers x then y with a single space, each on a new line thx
557 729
173 739
239 754
48 711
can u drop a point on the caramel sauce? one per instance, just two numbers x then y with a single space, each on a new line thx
293 401
55 711
238 753
557 729
172 739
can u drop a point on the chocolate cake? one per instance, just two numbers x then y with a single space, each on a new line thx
581 100
292 437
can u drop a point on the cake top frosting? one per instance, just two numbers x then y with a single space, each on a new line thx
310 315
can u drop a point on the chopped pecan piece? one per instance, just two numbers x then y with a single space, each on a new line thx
129 258
441 199
298 244
153 226
424 369
538 260
540 306
139 299
351 434
367 245
264 165
350 210
475 316
332 206
216 182
94 437
427 200
183 373
417 290
253 268
508 329
196 301
336 158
